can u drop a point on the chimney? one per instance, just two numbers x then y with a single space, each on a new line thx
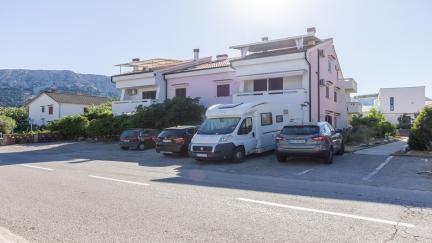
265 38
221 57
196 54
53 88
311 30
134 61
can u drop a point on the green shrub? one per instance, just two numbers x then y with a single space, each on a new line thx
7 124
19 114
375 121
107 126
359 135
70 126
421 132
99 111
404 121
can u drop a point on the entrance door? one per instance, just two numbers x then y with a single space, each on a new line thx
246 135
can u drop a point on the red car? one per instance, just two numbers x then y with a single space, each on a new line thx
138 138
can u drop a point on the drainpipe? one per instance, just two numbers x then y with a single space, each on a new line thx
310 84
319 87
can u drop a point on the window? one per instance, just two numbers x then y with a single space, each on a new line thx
260 85
328 119
329 66
276 84
181 92
266 119
335 96
149 95
245 126
43 109
327 92
223 90
279 118
391 103
50 110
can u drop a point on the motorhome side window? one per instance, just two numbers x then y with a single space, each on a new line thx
266 119
245 127
279 118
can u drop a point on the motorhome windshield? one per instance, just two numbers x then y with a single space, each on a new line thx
224 125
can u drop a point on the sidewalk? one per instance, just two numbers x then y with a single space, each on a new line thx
386 149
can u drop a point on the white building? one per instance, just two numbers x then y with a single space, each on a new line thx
146 84
50 106
394 102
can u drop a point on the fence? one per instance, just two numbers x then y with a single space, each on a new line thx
8 139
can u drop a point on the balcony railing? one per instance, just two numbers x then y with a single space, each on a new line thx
129 106
298 96
349 84
354 107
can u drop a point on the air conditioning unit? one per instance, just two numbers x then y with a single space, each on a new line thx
321 82
321 53
132 91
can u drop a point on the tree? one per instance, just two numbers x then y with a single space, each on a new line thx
19 114
421 132
7 124
404 121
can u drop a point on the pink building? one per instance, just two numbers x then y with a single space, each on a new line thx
213 82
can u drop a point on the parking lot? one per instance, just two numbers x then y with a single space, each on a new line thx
73 178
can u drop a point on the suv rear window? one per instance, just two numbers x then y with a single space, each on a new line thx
300 130
129 133
172 133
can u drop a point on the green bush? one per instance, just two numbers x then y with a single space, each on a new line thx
19 114
376 122
107 126
7 124
70 126
421 132
404 121
99 111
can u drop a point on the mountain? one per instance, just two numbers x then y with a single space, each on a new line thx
19 85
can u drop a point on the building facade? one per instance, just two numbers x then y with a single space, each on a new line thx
50 106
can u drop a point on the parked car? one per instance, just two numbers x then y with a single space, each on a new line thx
309 140
138 138
175 140
233 131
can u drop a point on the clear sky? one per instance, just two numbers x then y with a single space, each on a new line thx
379 43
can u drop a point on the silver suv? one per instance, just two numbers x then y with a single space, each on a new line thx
309 140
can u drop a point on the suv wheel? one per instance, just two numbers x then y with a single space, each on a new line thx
238 155
342 149
328 158
141 146
281 157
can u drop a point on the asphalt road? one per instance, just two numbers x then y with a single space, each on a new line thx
81 192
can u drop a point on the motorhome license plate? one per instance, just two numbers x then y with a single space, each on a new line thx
297 141
166 141
201 155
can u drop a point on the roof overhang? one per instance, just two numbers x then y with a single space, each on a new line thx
276 44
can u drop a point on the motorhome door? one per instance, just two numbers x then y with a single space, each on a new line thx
246 135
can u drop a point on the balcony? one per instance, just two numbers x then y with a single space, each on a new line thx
292 96
354 107
129 106
349 85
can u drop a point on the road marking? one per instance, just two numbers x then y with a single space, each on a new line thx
346 215
8 237
118 180
377 169
37 167
304 172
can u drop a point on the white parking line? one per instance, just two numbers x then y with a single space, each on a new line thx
118 180
346 215
37 167
377 169
304 172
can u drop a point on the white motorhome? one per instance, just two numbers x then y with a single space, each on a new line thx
235 130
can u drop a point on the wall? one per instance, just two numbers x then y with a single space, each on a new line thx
35 111
204 86
71 109
407 100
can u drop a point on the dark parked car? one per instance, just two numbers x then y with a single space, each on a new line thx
175 140
309 140
138 138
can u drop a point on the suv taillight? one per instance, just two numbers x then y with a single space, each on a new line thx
179 140
318 138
